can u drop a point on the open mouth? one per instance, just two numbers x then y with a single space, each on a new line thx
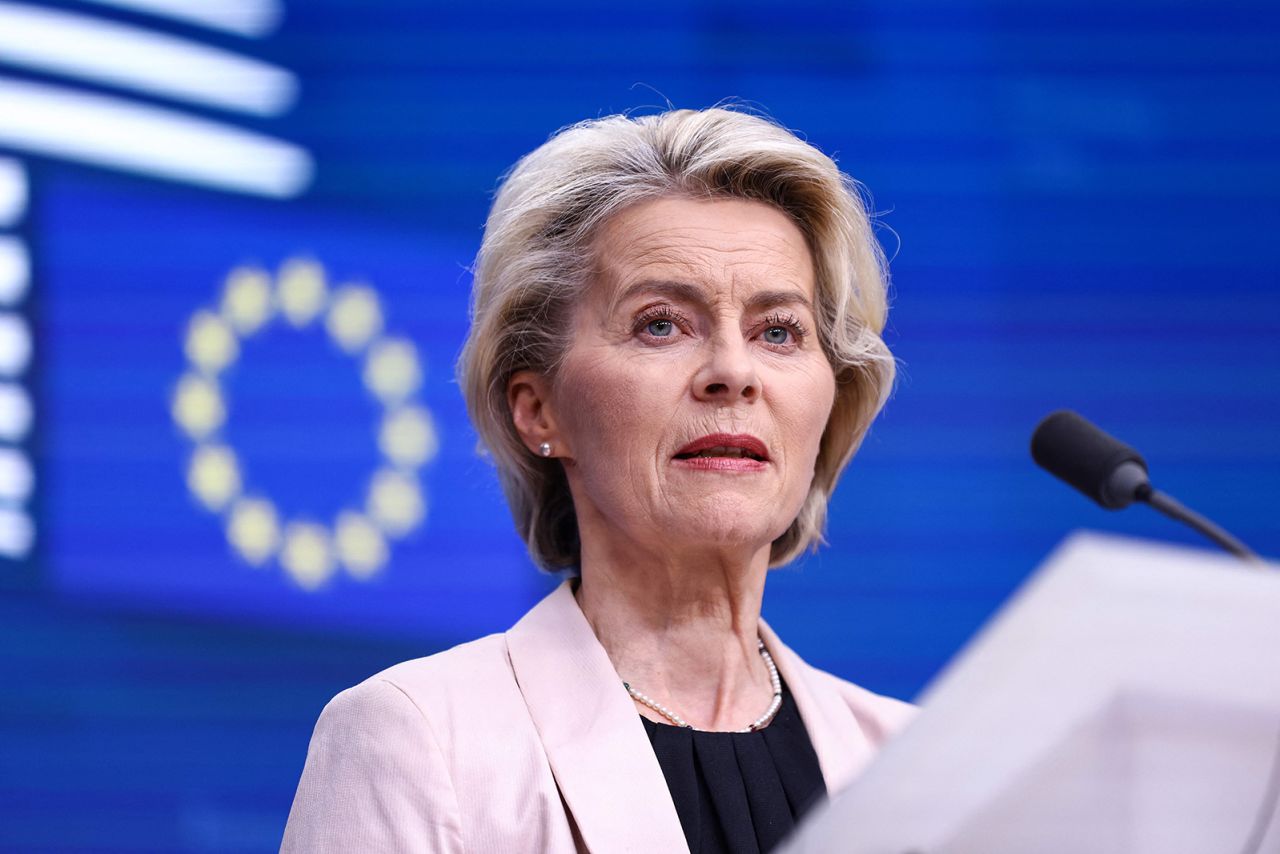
725 446
722 451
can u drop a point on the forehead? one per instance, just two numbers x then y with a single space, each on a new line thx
711 243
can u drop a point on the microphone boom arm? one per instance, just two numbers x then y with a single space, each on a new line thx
1176 510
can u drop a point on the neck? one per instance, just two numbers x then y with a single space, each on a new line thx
683 632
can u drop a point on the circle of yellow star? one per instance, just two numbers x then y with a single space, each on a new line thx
358 539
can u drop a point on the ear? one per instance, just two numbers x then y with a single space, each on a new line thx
532 413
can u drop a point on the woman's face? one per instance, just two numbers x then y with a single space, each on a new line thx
692 399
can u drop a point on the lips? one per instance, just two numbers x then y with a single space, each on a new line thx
726 446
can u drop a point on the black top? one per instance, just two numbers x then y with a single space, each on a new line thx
739 792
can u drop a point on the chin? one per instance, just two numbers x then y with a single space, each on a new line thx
723 522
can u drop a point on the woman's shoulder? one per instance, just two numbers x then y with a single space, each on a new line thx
456 702
439 687
879 715
408 758
460 690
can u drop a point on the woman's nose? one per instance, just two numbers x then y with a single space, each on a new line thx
728 374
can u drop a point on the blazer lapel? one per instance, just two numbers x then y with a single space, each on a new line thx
599 752
843 748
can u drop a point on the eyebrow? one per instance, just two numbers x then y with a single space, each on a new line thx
686 292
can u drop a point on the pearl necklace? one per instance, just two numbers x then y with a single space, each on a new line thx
759 723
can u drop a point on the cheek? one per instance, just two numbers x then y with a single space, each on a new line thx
814 396
606 406
812 392
825 400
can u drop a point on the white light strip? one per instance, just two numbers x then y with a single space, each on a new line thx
254 18
15 344
108 131
15 412
15 269
17 477
13 192
65 43
17 533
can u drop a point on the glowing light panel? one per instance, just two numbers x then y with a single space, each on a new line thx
15 344
17 533
108 131
15 270
17 478
13 191
126 56
244 17
15 412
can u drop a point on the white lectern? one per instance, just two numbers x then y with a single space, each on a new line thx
1126 700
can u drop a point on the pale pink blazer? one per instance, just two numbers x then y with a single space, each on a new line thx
526 741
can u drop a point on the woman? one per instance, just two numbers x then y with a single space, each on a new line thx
675 350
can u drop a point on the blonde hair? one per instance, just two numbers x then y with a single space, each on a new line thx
536 259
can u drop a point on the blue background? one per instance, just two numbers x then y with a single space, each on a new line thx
1082 202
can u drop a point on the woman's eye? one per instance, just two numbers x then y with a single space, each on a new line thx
660 328
777 335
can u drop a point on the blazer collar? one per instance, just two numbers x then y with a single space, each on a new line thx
598 749
599 752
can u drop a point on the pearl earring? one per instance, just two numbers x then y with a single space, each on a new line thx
545 449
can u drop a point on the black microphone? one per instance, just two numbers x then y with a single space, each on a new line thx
1113 474
1096 463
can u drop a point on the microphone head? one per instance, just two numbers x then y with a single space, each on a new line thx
1101 466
